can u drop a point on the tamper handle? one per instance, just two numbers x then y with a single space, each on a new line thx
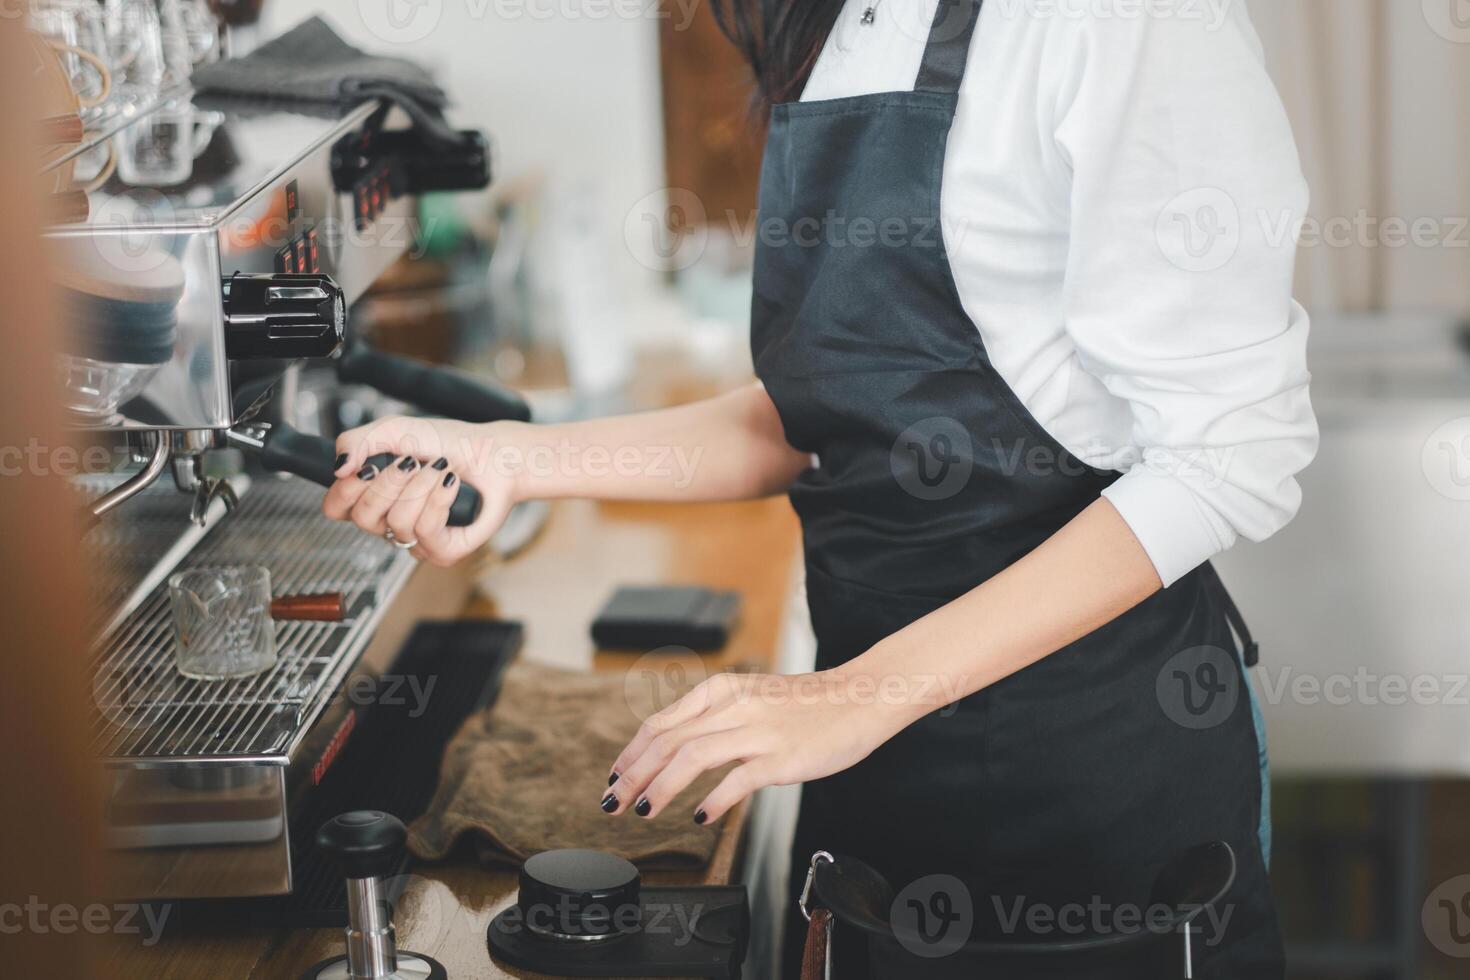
364 843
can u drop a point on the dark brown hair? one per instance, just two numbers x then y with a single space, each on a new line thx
781 40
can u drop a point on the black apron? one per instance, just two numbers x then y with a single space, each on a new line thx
1076 779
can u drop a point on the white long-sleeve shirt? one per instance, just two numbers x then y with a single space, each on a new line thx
1121 196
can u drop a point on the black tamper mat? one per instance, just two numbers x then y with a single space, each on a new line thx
584 913
391 762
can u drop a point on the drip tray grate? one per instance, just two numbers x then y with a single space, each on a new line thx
150 714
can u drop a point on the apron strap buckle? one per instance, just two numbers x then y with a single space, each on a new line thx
806 888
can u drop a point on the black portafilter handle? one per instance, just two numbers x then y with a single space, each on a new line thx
437 390
363 843
283 449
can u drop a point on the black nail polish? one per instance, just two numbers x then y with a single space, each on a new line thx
449 479
367 472
408 463
643 808
609 803
440 463
341 458
612 779
700 817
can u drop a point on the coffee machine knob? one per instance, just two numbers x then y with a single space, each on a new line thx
283 316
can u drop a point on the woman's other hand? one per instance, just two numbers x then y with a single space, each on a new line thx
412 495
780 729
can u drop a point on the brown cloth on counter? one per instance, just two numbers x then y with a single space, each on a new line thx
526 776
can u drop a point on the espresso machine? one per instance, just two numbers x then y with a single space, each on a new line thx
191 301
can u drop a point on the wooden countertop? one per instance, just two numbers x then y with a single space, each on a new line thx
554 589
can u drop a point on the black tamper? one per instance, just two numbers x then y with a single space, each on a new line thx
367 844
584 913
579 895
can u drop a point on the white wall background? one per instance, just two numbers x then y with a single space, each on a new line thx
565 88
1379 96
1377 91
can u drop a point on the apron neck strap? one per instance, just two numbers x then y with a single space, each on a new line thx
949 46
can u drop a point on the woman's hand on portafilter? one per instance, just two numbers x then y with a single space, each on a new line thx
730 447
412 494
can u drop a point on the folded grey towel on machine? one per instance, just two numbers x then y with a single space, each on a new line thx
311 63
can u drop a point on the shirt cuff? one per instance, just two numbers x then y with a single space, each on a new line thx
1168 520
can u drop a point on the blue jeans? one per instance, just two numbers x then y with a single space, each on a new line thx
1259 720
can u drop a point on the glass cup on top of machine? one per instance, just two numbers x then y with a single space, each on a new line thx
222 621
75 29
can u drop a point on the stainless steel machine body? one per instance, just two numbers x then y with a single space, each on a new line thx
203 774
186 303
265 201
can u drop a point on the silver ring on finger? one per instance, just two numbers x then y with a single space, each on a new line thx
405 545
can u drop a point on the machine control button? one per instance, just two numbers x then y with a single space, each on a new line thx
284 316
